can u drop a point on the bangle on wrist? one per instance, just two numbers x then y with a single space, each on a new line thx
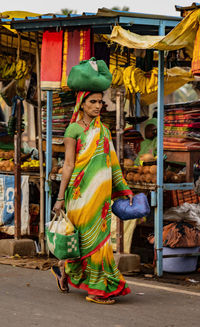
59 199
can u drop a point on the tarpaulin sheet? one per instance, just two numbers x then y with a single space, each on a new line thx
181 36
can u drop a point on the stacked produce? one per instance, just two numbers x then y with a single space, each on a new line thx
63 106
146 173
7 165
6 155
7 161
30 165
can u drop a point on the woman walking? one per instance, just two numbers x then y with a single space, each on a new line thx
91 178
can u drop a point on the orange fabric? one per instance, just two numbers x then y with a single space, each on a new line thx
77 47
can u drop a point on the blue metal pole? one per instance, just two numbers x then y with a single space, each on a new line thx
137 108
159 209
48 154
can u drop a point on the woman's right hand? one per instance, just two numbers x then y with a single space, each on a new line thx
58 206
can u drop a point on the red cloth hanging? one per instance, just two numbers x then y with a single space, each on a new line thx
51 60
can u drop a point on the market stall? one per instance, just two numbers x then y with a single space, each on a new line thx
100 25
182 36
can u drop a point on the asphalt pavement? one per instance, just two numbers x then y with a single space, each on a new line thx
29 297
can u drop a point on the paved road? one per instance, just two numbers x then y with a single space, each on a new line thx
30 298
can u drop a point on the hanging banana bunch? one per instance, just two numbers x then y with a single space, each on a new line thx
127 79
9 69
22 69
117 78
138 80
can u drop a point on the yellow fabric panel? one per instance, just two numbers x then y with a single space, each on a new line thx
114 159
84 157
181 36
78 217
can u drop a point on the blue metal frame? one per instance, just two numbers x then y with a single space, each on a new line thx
148 21
158 217
48 155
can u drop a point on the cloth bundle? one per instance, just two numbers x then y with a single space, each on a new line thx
181 234
63 103
181 130
90 75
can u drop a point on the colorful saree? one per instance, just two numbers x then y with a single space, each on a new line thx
96 178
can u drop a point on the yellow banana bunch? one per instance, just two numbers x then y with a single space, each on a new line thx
138 81
7 67
3 62
152 86
117 74
22 69
127 79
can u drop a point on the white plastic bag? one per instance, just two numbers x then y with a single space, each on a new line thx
62 226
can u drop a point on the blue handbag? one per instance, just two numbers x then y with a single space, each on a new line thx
140 207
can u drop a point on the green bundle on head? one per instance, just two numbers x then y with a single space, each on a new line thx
90 75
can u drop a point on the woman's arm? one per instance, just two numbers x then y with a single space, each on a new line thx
68 167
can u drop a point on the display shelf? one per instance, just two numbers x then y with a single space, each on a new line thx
166 187
55 147
178 186
142 186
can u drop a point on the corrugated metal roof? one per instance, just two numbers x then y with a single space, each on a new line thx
101 12
101 22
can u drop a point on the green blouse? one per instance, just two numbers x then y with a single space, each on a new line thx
74 130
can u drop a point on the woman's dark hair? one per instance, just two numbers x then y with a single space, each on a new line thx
91 93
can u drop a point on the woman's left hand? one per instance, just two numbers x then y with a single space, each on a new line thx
130 196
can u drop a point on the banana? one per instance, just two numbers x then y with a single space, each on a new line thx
10 71
19 65
127 79
23 66
138 81
115 76
22 69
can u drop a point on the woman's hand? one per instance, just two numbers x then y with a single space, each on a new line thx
58 206
130 196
